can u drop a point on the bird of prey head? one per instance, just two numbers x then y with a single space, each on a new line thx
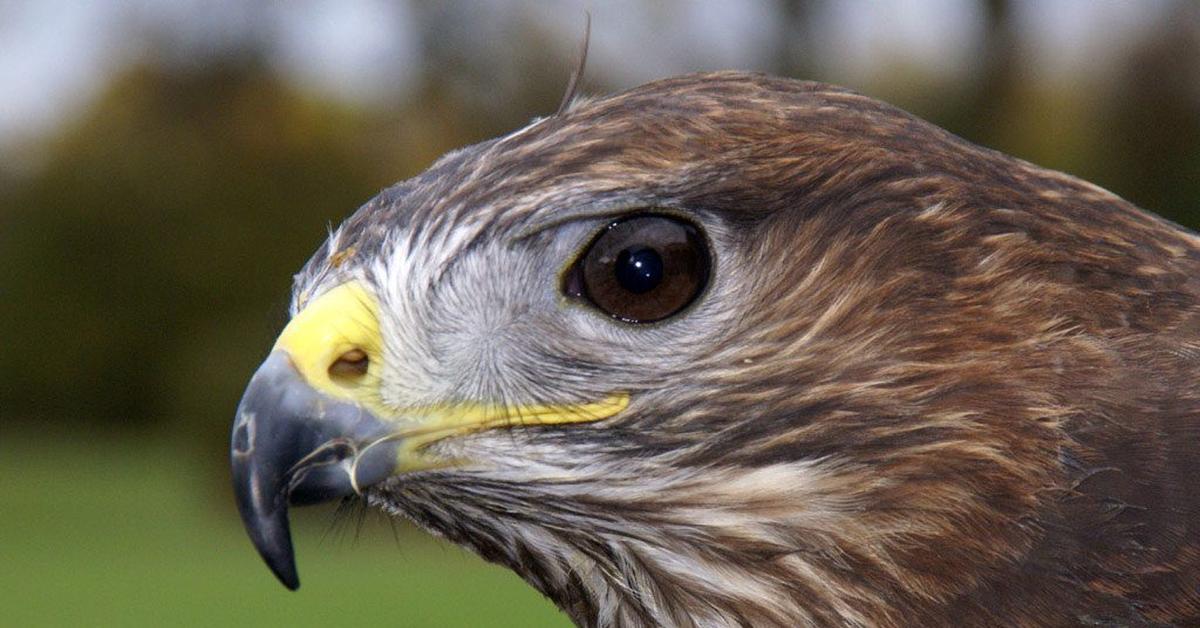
728 349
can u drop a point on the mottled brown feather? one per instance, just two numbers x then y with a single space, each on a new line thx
1001 359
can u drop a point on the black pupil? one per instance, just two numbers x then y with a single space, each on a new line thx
639 269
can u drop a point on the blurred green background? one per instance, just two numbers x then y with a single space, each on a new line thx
166 166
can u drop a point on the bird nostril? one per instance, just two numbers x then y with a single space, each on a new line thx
350 367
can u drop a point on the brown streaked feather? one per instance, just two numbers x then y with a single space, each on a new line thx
992 365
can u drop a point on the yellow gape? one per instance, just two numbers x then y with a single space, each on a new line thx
336 346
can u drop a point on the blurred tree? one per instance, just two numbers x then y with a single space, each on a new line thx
1150 127
163 227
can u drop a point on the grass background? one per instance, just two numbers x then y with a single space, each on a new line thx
112 533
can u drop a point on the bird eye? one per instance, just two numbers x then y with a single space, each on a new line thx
641 268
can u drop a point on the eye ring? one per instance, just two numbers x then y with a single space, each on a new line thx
641 268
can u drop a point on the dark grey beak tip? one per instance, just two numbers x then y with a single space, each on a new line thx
274 543
282 561
281 422
269 531
263 506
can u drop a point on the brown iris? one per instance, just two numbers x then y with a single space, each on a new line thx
642 268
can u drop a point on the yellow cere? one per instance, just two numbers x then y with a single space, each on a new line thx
342 320
345 319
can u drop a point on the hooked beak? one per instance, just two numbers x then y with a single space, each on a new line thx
312 426
306 430
294 445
